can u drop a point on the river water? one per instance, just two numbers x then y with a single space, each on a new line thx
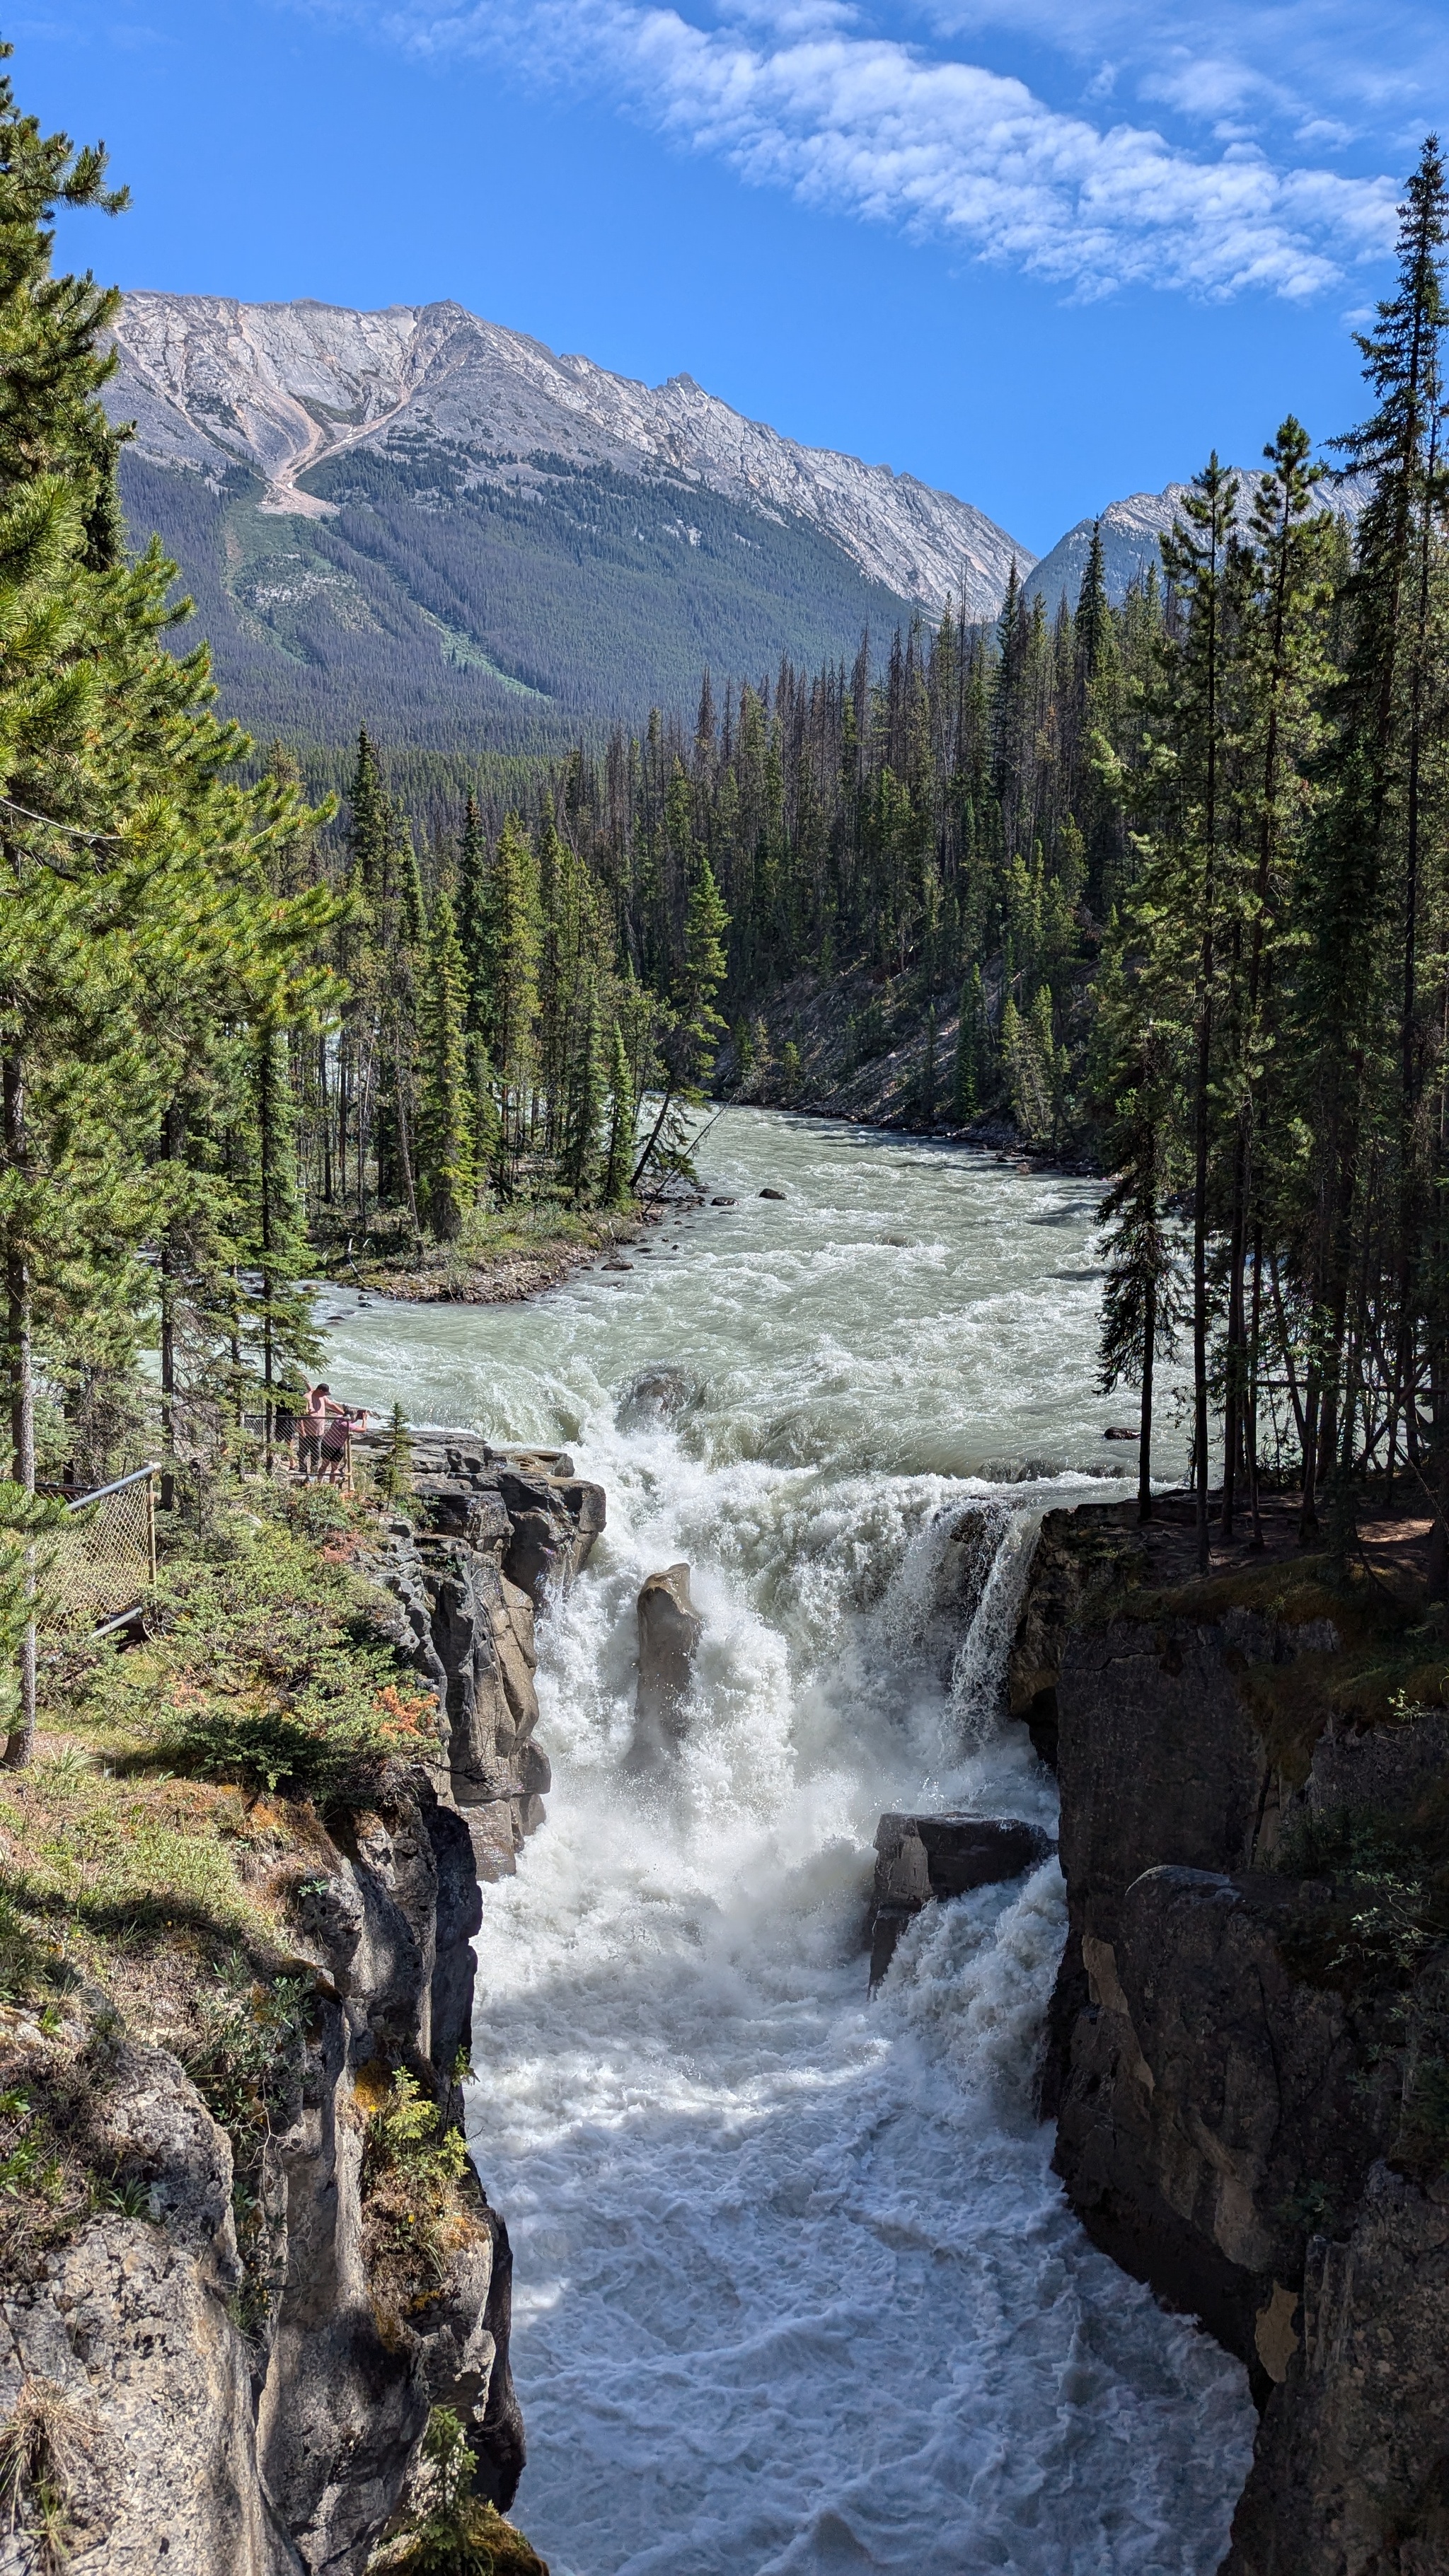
795 2290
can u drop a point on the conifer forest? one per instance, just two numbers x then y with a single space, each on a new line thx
1166 885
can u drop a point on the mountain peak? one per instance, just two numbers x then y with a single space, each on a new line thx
213 382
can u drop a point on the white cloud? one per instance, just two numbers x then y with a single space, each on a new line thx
796 96
1311 63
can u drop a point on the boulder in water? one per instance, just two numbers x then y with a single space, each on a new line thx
657 1395
772 1194
670 1629
921 1857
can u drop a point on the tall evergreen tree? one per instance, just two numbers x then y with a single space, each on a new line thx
445 1137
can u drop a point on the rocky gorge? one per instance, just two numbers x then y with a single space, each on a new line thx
1185 1833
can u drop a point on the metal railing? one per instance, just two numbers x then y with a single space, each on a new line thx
96 1572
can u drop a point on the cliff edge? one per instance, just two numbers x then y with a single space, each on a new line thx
1248 2057
255 2305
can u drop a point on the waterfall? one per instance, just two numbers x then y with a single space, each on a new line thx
795 2291
976 1700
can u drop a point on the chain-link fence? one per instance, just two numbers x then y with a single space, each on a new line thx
97 1568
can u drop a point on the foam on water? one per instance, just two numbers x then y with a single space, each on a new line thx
794 2288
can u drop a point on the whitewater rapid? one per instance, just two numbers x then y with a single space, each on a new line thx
794 2287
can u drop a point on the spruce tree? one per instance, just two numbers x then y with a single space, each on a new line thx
969 1027
513 927
445 1139
1196 559
620 1161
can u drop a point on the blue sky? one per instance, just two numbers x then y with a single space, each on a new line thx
1041 254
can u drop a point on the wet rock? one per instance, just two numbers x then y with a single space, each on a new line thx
1351 2471
554 1521
587 1508
657 1395
1206 2086
670 1629
541 1535
1119 1431
772 1194
921 1857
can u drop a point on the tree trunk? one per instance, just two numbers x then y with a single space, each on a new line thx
168 1332
267 1106
20 1745
1144 1453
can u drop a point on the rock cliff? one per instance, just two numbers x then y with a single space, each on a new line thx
1246 2056
230 2370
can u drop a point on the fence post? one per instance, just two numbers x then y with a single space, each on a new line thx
151 1523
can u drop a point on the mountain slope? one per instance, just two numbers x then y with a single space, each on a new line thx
1132 528
419 516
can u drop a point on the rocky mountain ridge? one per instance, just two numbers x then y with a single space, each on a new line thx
1132 530
212 382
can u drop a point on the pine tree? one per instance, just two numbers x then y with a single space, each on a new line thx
445 1140
587 1104
621 1122
512 976
1366 888
969 1030
1142 1301
692 1028
928 1071
1196 559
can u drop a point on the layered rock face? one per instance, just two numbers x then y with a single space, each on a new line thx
1239 2074
670 1629
494 1528
191 2443
276 2437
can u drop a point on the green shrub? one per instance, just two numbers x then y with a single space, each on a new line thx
453 2532
413 2212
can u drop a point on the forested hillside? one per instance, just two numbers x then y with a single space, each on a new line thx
465 618
420 519
1166 883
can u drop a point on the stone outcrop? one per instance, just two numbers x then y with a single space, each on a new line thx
1351 2473
199 2440
1234 2077
670 1629
919 1858
220 2418
489 1532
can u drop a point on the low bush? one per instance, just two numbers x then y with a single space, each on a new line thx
413 2211
270 1664
450 2531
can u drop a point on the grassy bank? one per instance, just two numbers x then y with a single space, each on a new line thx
504 1254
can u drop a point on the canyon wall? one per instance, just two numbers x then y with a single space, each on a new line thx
216 2403
1247 2048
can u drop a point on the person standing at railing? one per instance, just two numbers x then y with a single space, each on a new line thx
319 1412
336 1439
